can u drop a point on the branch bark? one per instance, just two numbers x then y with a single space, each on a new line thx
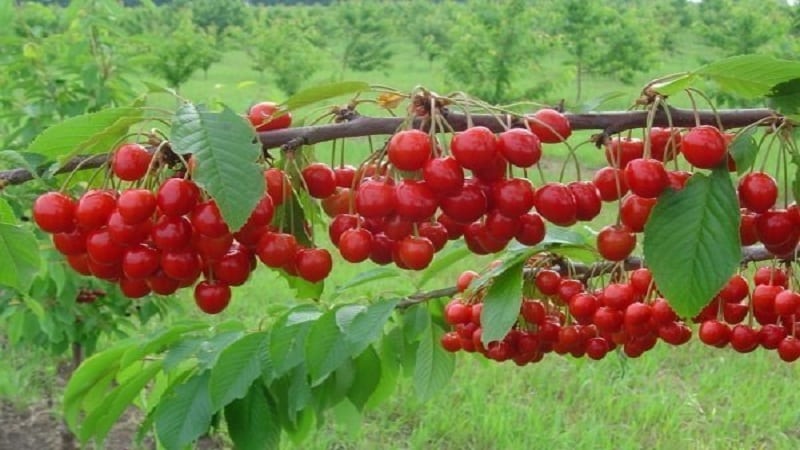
361 126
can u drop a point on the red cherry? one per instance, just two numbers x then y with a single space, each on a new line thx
414 200
313 264
641 281
102 249
587 199
547 281
555 202
130 162
70 243
704 147
735 290
747 228
171 233
454 229
79 263
207 220
615 242
109 272
665 143
140 261
465 279
320 180
262 213
278 185
381 249
451 342
646 177
54 212
267 116
621 151
340 224
409 149
611 183
125 234
443 175
375 198
531 230
714 333
212 296
520 147
549 125
771 276
136 205
434 232
338 203
467 206
177 197
474 148
93 210
514 197
495 170
619 295
181 264
456 313
635 211
345 175
758 191
662 312
502 227
789 349
787 302
415 252
480 241
233 268
583 305
608 320
161 284
276 249
771 335
355 245
134 288
569 288
678 178
776 227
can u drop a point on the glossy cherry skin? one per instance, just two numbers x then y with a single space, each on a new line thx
549 125
415 252
615 242
319 179
375 198
409 149
136 205
212 297
520 147
555 202
414 200
704 147
266 116
130 162
54 212
646 177
474 148
444 176
313 264
757 191
177 197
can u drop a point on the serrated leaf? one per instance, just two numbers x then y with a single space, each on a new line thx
368 326
19 253
225 149
744 150
434 365
691 241
367 377
236 368
750 75
323 92
87 134
368 276
184 413
501 304
287 340
325 347
253 421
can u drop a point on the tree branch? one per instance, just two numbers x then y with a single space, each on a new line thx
361 126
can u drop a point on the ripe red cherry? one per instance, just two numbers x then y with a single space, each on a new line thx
320 180
102 249
266 116
276 249
665 143
355 245
456 312
337 203
549 125
747 228
678 178
212 296
177 197
615 242
70 243
415 252
520 147
465 279
531 229
611 183
340 224
646 177
776 227
375 198
313 264
345 175
735 290
161 284
789 349
587 199
136 205
715 333
381 249
171 233
414 200
130 162
787 302
208 221
771 276
133 288
54 212
474 148
94 208
704 147
233 268
451 342
496 170
555 202
635 211
140 261
262 213
454 229
466 206
409 149
621 151
480 241
500 226
641 281
443 175
435 232
513 197
758 191
181 264
278 186
125 234
547 281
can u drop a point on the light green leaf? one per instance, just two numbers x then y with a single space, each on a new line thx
673 84
225 149
744 150
304 289
501 304
288 337
750 75
326 347
253 421
691 241
434 365
237 367
184 413
90 372
7 215
367 377
368 276
19 253
368 326
323 92
90 133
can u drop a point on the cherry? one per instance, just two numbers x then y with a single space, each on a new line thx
714 333
134 288
513 197
608 320
454 229
465 279
233 268
396 227
520 147
735 290
181 264
480 241
262 213
771 276
587 199
340 224
619 295
102 249
345 175
474 148
414 200
646 177
597 348
70 243
94 209
381 249
496 170
583 305
136 205
531 229
456 313
130 162
212 296
621 151
466 206
109 272
747 228
787 302
79 263
704 147
54 212
338 203
276 249
171 233
443 175
555 202
161 284
615 242
140 261
664 143
320 180
776 227
278 186
451 342
415 252
763 298
662 312
125 234
313 264
568 288
611 183
635 211
355 245
177 197
549 125
502 227
375 198
789 349
758 191
267 116
734 312
547 281
409 149
678 179
434 232
771 335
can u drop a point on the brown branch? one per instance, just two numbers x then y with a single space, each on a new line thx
361 126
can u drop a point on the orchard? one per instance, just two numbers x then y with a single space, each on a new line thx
688 231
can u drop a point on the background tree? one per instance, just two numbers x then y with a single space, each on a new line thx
215 16
429 29
743 27
365 36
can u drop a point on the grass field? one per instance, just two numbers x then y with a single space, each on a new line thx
691 397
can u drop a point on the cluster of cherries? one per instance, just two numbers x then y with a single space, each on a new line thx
568 319
731 316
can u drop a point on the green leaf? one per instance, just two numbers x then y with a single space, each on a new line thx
501 304
90 372
691 241
785 97
253 421
90 133
19 253
434 365
326 347
744 150
224 146
750 75
184 413
288 337
303 289
444 261
323 92
367 377
674 84
236 369
368 325
368 276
